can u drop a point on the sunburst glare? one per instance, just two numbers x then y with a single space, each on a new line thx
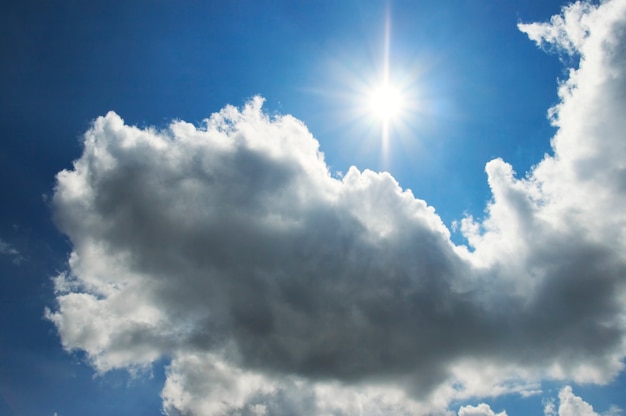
386 102
378 96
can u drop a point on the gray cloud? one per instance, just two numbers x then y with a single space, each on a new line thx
272 285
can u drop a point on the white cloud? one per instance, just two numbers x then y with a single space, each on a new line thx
613 411
480 410
271 285
530 392
572 405
549 408
566 32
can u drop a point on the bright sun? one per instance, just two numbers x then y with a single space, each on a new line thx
386 102
386 99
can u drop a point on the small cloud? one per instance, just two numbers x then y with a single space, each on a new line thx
549 407
530 393
482 409
613 411
7 249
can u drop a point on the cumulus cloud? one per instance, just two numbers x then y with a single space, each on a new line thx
271 285
566 32
572 405
480 410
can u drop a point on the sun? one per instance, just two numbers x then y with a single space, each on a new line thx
382 100
386 102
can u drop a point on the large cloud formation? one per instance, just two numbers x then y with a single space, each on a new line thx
275 288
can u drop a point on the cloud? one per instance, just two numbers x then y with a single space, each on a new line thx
271 285
572 405
566 32
6 248
480 410
549 407
9 250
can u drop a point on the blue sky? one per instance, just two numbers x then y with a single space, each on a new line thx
211 260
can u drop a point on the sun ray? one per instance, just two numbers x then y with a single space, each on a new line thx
385 126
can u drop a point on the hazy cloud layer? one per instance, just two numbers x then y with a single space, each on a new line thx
274 286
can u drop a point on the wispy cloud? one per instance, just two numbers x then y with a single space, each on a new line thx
9 250
273 286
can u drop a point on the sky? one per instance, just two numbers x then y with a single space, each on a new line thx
209 208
